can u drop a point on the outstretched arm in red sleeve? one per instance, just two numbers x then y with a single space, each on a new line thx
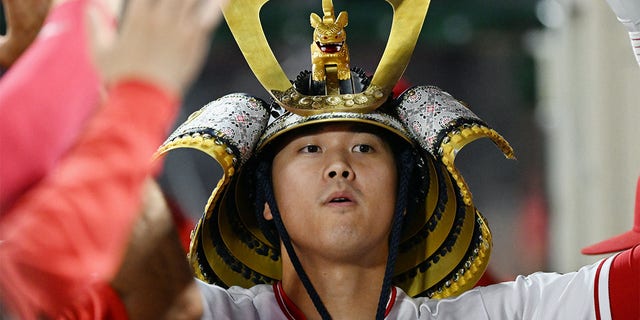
70 230
624 285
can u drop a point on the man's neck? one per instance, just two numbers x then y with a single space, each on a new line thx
347 291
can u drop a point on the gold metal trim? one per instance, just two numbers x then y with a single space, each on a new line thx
460 138
470 277
408 260
447 263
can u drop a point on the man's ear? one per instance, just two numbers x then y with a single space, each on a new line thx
267 212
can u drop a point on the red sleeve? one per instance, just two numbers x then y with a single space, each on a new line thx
71 229
100 302
624 285
45 100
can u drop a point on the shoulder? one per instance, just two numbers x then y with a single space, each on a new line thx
537 296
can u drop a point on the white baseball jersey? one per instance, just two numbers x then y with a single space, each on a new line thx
577 295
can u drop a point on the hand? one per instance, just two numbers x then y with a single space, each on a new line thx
164 41
628 12
24 19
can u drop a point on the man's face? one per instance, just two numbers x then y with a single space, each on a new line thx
336 191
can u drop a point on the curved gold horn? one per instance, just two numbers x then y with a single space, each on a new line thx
408 17
243 18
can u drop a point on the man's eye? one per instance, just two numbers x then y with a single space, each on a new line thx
310 149
364 148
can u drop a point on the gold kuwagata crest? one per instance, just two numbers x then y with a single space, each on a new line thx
243 18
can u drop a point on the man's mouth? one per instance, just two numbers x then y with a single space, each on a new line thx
340 200
340 197
330 47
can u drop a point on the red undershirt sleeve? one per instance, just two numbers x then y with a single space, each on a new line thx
46 99
69 232
624 285
100 302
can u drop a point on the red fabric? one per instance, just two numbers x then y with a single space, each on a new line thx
46 98
400 87
288 307
624 285
71 229
596 290
101 302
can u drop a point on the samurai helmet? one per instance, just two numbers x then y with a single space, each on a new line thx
445 243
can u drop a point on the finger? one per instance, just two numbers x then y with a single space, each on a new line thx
136 7
211 13
176 8
186 11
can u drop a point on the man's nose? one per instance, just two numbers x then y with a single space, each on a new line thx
338 168
344 174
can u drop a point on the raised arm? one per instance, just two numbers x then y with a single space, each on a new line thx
628 13
624 285
69 232
33 117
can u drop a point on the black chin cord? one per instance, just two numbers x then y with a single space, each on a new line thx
264 182
405 170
